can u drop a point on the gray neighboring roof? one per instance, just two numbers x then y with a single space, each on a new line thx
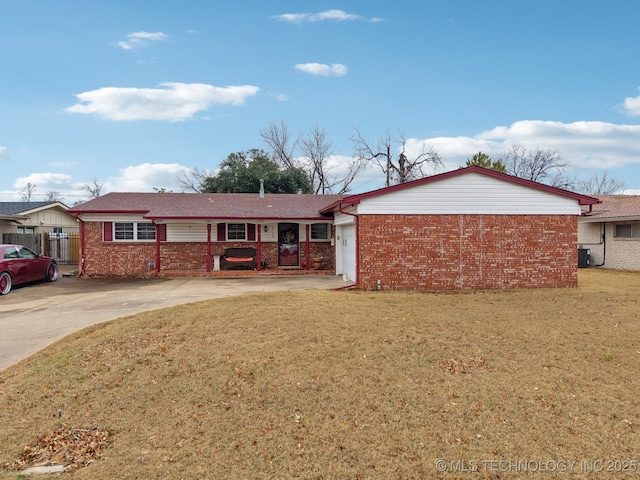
176 206
614 208
15 208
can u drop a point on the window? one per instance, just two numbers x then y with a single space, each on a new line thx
27 230
236 231
146 231
320 231
627 231
134 231
57 229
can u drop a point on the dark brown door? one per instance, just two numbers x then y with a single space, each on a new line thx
288 244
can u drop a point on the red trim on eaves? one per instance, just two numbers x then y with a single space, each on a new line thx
356 199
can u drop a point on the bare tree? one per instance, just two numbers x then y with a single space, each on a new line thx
193 180
398 169
53 196
315 156
320 164
542 166
93 188
27 192
601 185
281 143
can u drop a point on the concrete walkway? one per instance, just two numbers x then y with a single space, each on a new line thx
36 315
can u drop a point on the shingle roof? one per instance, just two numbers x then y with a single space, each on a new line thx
210 205
14 208
615 207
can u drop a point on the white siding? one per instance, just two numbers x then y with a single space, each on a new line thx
470 194
183 232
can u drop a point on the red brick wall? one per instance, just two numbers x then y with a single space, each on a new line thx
131 258
447 252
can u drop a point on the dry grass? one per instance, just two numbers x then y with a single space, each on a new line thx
336 385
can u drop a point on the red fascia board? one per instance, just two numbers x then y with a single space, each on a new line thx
178 217
356 199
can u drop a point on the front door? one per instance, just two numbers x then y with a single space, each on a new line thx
288 244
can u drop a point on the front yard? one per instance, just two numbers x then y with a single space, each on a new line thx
334 385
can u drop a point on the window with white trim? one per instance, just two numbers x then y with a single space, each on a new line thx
630 230
134 231
236 231
320 231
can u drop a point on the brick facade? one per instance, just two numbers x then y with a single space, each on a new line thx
132 258
451 252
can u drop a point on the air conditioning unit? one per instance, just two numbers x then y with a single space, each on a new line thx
584 257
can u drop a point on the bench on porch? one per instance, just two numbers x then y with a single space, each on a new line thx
238 258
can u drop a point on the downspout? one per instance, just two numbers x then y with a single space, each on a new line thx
357 279
603 242
81 272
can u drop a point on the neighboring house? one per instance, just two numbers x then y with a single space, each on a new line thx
611 232
469 228
36 217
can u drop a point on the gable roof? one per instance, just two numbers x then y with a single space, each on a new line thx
23 208
205 206
614 208
356 199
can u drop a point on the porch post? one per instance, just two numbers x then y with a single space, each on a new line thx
157 251
259 249
208 247
308 260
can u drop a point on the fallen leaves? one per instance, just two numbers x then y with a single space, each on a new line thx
72 447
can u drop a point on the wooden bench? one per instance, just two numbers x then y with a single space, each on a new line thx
238 258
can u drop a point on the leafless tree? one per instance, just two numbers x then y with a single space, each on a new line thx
542 166
27 192
313 153
53 196
93 188
281 143
318 161
601 185
398 169
192 180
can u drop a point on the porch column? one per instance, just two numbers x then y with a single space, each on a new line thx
208 247
259 249
307 263
157 251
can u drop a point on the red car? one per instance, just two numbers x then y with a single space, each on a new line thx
19 264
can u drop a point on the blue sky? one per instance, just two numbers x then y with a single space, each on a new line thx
132 93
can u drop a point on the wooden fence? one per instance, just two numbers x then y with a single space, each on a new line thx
64 247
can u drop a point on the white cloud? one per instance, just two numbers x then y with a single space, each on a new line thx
596 145
144 177
176 102
141 39
333 70
632 106
44 181
335 15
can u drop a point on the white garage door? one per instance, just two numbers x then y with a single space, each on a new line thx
346 251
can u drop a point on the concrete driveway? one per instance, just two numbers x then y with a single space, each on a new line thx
36 315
